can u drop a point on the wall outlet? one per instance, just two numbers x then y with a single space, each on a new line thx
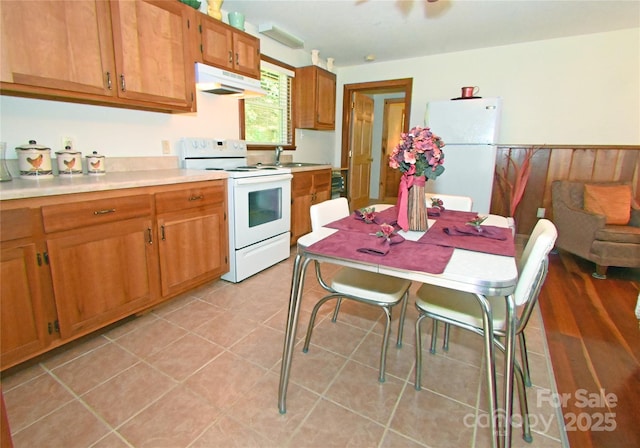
166 147
67 141
541 212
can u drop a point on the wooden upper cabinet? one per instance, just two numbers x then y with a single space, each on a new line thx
316 98
131 53
214 43
246 54
223 46
62 45
151 42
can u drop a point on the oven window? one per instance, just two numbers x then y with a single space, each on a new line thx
265 206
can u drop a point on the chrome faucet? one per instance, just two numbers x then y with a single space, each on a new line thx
278 154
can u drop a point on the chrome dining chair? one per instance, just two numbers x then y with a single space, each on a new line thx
451 202
354 284
461 204
462 310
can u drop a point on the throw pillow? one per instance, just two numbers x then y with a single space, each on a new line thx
613 201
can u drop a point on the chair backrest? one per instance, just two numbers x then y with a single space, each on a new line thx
451 202
328 211
532 264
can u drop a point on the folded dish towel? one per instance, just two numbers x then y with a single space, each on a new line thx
380 246
485 232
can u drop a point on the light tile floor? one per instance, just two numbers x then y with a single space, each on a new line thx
203 371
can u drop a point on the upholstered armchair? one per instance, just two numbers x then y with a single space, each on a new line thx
599 222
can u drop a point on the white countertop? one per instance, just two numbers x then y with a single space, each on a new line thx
19 188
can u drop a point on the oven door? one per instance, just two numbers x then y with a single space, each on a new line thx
261 208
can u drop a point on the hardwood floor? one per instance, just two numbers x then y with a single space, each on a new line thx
594 342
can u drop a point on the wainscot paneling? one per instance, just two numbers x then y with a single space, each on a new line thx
549 163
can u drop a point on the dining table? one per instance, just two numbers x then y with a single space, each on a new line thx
444 256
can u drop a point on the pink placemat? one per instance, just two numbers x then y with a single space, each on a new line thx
408 255
354 224
436 235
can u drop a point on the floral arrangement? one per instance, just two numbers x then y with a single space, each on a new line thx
367 214
477 221
419 153
437 203
386 230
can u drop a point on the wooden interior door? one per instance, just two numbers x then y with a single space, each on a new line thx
392 127
361 144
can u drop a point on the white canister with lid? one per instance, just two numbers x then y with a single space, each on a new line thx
34 161
95 164
69 162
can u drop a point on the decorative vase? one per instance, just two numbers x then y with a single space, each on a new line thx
417 207
330 62
213 9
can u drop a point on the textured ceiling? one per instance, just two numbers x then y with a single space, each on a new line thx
349 30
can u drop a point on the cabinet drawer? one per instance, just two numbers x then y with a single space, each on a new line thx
302 183
15 224
101 211
190 198
322 180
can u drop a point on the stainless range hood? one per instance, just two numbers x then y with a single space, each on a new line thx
223 82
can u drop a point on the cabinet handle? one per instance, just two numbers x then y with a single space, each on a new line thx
149 236
230 57
237 58
123 85
162 233
109 80
46 257
196 198
39 259
105 211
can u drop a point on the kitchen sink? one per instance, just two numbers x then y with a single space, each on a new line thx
298 164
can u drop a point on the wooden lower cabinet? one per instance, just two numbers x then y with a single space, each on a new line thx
307 188
193 237
72 264
26 317
102 274
27 310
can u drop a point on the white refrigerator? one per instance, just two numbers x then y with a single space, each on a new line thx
469 129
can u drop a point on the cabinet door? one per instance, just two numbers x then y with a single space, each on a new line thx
216 43
102 273
193 247
152 54
322 185
26 324
246 50
326 100
315 98
301 200
62 45
300 217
